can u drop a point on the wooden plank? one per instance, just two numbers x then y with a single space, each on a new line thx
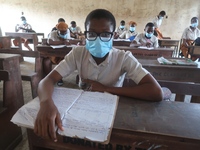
22 53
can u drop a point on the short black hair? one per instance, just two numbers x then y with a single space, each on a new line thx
61 20
73 22
122 21
23 18
99 14
149 24
163 13
194 18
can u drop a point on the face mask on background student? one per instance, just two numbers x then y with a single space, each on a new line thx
122 27
63 36
98 48
132 29
24 22
194 25
149 35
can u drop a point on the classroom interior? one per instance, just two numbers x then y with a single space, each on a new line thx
43 16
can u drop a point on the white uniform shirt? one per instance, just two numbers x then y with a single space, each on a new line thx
119 31
55 37
127 34
76 29
26 26
157 22
111 72
141 39
188 34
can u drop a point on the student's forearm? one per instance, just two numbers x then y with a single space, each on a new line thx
145 91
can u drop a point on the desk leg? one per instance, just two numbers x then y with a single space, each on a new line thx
47 66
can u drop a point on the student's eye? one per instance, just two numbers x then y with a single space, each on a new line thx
105 35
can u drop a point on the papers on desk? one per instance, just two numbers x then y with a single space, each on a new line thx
186 61
61 46
121 40
144 47
84 114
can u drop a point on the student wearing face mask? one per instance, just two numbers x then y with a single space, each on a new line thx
131 33
146 39
75 30
157 21
189 35
100 66
23 27
60 36
120 29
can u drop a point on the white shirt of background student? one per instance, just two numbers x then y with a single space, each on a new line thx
190 34
131 33
147 38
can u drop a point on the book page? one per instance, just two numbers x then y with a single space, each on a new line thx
144 47
91 116
57 46
62 97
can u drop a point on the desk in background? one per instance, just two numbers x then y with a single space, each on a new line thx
121 43
10 134
170 43
145 53
32 36
172 125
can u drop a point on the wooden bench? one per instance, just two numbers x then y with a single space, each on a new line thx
121 43
27 74
10 134
170 43
32 36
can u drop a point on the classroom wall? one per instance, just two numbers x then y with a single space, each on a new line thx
43 14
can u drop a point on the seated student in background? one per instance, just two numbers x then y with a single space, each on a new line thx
120 29
23 27
59 37
146 39
131 33
75 30
59 20
189 35
100 66
157 21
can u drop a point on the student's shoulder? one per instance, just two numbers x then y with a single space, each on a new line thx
120 53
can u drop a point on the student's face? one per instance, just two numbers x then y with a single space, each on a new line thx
194 21
149 29
63 32
73 25
122 24
99 25
132 25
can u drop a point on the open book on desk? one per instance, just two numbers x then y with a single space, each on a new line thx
144 47
84 114
175 61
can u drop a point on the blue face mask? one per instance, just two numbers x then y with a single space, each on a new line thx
194 25
73 28
24 22
132 29
149 35
122 27
98 48
63 36
161 18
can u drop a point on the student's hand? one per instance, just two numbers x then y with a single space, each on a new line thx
66 42
94 85
47 119
148 44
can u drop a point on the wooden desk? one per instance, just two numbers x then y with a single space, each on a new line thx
45 52
26 36
173 125
10 134
121 43
145 53
170 43
172 72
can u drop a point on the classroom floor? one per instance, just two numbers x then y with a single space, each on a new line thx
69 81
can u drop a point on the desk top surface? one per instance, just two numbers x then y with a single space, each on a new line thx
136 48
7 56
166 118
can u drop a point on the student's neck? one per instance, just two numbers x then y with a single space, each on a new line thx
100 60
